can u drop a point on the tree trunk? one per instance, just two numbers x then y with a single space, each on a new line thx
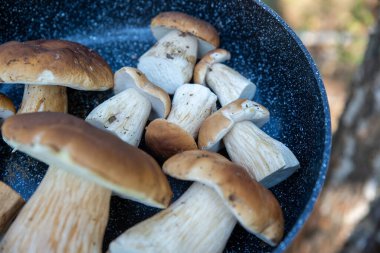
354 176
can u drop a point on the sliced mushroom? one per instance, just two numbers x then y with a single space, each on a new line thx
192 103
225 82
266 159
126 113
202 219
51 222
182 38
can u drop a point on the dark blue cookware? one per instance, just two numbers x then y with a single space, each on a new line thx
264 49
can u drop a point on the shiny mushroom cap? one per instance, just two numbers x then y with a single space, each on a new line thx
254 206
70 143
206 34
54 62
218 55
127 77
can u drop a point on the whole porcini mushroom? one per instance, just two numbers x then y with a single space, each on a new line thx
126 113
181 40
266 159
202 219
71 144
11 201
192 103
225 82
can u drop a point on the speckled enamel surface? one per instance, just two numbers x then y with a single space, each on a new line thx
263 48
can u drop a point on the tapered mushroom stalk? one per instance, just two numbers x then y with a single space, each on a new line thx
181 40
225 82
192 103
68 214
11 201
126 113
202 219
266 159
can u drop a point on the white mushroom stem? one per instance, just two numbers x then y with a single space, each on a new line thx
170 62
65 214
266 159
200 219
228 84
11 203
192 104
125 115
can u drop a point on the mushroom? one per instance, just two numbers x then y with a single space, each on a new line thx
202 219
11 201
43 65
266 159
53 219
192 103
126 113
221 122
181 39
54 62
225 82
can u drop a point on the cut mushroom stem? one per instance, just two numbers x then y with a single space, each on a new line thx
171 61
203 218
265 158
181 39
126 113
185 218
11 203
225 82
192 103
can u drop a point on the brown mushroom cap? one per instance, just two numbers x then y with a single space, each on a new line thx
72 144
253 205
54 62
167 139
127 77
207 35
217 125
215 56
7 107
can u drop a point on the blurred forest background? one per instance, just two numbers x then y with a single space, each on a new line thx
343 37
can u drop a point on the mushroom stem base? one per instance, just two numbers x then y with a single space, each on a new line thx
198 221
65 214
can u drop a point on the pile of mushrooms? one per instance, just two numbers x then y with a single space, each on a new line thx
91 159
